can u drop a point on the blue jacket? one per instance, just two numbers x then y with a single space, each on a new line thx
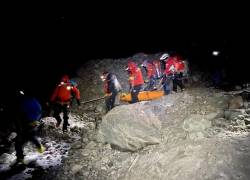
31 109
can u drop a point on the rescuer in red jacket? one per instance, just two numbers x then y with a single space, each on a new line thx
61 100
178 74
135 80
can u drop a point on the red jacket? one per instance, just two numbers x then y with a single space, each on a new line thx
180 65
135 75
170 66
64 93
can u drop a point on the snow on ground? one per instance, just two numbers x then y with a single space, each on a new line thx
56 150
26 174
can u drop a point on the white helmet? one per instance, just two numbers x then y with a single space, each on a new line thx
164 56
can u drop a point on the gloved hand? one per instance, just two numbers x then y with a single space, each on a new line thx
108 94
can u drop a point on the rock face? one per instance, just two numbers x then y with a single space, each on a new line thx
236 103
130 127
196 125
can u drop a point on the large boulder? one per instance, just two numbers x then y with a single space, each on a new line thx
130 127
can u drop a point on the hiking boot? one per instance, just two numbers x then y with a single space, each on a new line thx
41 149
18 162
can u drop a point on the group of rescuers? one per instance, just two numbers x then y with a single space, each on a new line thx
29 111
165 69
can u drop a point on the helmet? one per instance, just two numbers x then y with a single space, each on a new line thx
164 56
65 79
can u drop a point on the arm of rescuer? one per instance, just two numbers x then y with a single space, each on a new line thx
54 95
76 92
131 82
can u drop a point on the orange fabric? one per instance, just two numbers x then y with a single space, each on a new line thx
143 96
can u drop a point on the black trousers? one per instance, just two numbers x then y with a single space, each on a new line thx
177 81
64 108
151 85
27 134
110 101
134 93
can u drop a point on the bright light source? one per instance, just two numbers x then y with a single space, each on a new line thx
216 53
21 92
103 78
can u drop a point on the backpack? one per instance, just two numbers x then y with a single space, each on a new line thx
118 86
31 108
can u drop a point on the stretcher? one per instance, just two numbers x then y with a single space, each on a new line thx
142 96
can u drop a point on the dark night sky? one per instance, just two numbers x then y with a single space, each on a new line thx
56 40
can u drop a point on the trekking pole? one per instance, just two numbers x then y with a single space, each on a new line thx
159 86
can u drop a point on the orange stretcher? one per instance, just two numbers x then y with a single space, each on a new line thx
143 95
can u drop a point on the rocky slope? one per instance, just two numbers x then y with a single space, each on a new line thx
198 140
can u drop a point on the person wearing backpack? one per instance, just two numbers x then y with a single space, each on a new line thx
111 88
61 100
28 114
